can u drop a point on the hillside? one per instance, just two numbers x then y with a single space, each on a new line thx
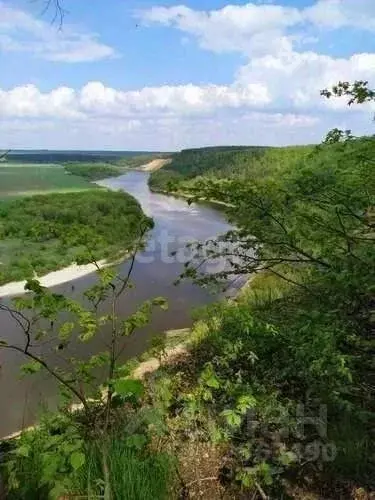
221 162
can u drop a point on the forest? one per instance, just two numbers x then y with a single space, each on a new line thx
191 164
93 171
47 232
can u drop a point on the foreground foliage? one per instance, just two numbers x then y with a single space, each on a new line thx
284 375
57 459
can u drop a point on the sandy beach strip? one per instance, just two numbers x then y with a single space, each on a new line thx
70 273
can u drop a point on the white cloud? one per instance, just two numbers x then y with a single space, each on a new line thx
158 118
21 32
28 101
258 28
335 14
95 99
274 97
272 37
251 28
294 81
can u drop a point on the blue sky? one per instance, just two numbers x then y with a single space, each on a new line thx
165 75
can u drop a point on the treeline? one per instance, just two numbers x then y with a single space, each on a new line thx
50 156
223 162
47 232
93 171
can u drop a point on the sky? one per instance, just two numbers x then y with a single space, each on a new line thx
144 75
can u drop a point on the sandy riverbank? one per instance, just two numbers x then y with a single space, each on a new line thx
54 278
155 164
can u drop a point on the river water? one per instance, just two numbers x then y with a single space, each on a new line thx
155 270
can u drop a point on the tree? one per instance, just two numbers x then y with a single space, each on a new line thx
49 319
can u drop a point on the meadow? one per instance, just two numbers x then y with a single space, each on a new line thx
19 179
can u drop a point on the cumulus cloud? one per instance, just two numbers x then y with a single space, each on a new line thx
335 14
251 28
21 32
273 37
274 97
294 81
258 28
95 99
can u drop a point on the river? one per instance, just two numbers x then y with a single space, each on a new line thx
155 270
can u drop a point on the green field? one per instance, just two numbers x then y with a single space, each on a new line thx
19 179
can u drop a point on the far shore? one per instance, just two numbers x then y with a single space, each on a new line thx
72 272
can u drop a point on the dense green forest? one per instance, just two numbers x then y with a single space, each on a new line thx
93 171
47 232
223 162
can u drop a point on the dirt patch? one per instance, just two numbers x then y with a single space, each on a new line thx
155 164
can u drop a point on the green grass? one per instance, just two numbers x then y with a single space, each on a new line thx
17 179
135 474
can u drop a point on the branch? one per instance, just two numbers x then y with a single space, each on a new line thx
59 11
50 371
19 317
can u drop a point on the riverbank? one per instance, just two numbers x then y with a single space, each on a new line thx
43 235
187 196
154 165
69 273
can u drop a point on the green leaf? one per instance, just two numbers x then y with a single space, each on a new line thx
57 492
288 458
160 302
77 460
232 418
23 451
209 378
66 330
136 441
128 387
213 382
245 402
30 368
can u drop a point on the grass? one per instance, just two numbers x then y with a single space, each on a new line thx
17 179
135 474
